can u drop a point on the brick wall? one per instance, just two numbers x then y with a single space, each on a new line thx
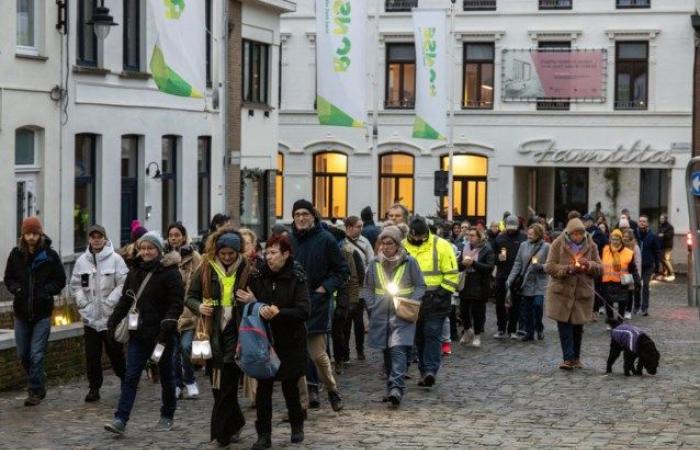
233 111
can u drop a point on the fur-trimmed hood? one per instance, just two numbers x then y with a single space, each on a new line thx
171 259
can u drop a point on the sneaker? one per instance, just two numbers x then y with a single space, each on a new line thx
628 315
577 364
33 399
336 401
500 335
314 402
477 341
339 367
178 392
525 338
116 426
467 337
446 349
164 424
540 335
670 278
297 434
394 398
608 327
429 380
93 395
645 313
566 365
514 336
192 391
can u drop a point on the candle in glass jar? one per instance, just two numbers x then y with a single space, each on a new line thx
503 252
534 260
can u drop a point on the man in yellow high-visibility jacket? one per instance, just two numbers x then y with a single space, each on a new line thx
438 263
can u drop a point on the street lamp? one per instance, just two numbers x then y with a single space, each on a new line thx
102 21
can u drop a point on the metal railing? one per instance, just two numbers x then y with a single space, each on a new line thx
400 5
479 5
556 4
621 4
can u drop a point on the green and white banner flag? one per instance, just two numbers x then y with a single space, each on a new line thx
178 59
431 74
341 68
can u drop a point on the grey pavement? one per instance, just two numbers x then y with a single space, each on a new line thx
506 394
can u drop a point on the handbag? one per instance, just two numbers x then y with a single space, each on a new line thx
121 333
517 284
407 309
201 346
627 279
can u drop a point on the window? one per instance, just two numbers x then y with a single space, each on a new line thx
207 39
203 183
129 179
395 181
26 27
168 174
25 147
558 105
469 186
654 184
132 35
279 186
571 193
86 39
556 4
84 203
622 4
479 5
400 5
631 75
256 58
27 173
400 76
478 76
331 184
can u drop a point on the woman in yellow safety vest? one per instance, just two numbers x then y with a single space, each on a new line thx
392 273
619 275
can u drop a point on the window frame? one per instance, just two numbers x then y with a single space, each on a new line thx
479 5
249 53
82 27
443 161
628 105
136 140
635 4
31 50
654 212
170 177
34 166
479 63
204 211
392 6
125 37
208 41
396 177
329 176
86 181
388 104
548 5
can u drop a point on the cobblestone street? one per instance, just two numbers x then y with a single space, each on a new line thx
507 394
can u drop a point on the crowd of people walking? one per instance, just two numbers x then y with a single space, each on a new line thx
413 286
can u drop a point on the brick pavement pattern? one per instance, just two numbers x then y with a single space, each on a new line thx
507 394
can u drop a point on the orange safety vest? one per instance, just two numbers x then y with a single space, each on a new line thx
609 273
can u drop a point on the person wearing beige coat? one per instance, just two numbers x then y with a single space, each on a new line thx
573 263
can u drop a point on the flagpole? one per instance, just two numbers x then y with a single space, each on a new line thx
450 133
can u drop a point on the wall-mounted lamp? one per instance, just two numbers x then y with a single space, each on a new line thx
156 175
62 19
56 93
251 113
102 21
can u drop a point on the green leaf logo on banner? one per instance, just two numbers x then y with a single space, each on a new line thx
422 130
168 80
331 115
174 8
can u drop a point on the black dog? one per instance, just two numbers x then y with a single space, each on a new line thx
636 345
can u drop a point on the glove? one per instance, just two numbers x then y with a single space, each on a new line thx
163 337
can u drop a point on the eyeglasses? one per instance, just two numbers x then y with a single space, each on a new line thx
302 214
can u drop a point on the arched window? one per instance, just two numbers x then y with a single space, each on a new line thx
331 184
395 181
28 143
469 186
279 186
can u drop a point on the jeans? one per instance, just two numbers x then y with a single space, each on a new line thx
138 353
446 335
395 366
356 322
31 339
93 356
263 401
647 273
531 309
428 341
570 338
184 370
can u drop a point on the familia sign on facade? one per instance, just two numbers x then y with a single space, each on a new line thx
546 151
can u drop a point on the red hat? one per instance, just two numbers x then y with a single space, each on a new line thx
32 225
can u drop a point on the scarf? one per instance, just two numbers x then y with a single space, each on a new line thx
390 264
615 250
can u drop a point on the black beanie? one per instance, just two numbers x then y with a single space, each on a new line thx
303 204
366 214
418 227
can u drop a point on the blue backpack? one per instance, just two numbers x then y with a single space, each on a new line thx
254 353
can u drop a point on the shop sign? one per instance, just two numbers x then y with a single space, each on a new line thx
546 151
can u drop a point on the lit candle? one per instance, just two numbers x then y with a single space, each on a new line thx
534 260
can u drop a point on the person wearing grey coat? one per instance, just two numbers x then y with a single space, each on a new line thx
529 262
388 332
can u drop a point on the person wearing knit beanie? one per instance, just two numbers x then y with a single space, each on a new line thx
153 238
302 204
137 232
392 232
32 225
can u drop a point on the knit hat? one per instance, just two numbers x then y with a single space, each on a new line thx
32 225
302 204
575 224
97 229
279 228
230 240
418 227
366 214
392 232
616 233
153 238
137 233
512 222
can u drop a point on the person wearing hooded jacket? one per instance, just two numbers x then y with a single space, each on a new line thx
97 283
506 246
33 275
369 229
159 306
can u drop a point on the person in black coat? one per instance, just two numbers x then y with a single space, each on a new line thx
477 260
369 229
281 285
159 306
505 247
33 275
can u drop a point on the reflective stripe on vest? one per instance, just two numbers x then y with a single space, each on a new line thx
610 275
227 283
398 275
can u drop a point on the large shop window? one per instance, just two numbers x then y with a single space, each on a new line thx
168 179
400 76
132 35
395 181
469 186
256 57
26 34
27 173
331 184
559 105
279 186
653 195
203 183
84 208
631 75
130 185
478 76
86 38
571 193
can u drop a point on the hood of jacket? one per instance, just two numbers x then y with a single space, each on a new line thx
104 254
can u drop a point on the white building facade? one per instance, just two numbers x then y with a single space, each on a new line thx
628 151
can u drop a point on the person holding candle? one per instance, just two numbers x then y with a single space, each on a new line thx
393 272
506 247
618 265
573 263
477 261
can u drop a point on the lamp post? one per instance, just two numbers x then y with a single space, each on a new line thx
102 21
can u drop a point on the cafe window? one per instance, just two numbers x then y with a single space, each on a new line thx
168 177
330 186
26 34
557 105
631 75
653 195
203 183
469 186
84 202
256 57
395 181
279 186
132 35
478 75
86 38
400 76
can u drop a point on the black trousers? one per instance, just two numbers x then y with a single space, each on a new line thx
356 322
341 351
501 311
514 313
473 314
226 416
94 340
263 402
454 333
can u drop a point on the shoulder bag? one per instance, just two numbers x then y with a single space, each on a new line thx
121 333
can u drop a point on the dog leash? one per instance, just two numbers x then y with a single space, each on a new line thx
617 314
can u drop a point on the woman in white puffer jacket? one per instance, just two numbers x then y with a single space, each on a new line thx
96 284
